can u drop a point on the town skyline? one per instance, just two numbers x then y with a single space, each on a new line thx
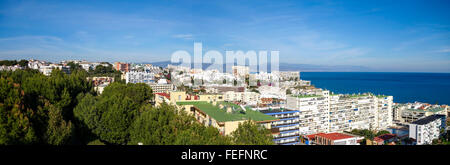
385 36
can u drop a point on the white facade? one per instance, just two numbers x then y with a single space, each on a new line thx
272 92
348 141
47 70
427 129
410 112
161 88
251 98
139 77
313 112
338 113
289 75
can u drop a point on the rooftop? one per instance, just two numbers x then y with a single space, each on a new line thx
428 119
222 116
436 109
164 94
305 96
331 136
381 96
277 110
387 136
356 95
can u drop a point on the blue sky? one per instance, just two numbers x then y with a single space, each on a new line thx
399 36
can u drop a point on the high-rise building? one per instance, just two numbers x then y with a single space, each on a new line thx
124 67
139 77
425 130
338 113
288 126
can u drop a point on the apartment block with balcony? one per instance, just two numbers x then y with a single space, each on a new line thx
250 98
425 130
288 125
313 112
139 77
323 112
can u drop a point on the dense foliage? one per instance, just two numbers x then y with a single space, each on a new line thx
99 71
172 127
110 115
369 134
63 109
249 133
22 63
38 109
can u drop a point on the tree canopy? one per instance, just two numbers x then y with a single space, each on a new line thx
248 133
63 109
37 109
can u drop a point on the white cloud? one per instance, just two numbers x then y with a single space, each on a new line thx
443 50
184 36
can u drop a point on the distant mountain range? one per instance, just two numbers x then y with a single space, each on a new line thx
297 67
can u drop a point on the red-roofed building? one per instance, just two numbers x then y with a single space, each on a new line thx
163 94
377 141
161 98
331 139
386 138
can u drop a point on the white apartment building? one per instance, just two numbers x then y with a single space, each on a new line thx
289 75
47 70
410 112
338 113
36 64
251 98
240 71
360 112
11 68
139 77
313 112
427 129
287 125
161 87
272 92
331 139
264 78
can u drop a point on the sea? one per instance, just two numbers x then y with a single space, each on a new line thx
433 88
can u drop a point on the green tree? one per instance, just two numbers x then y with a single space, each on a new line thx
23 63
165 125
139 93
368 134
73 66
109 116
155 126
248 133
15 120
288 91
87 117
198 134
117 114
31 104
58 130
382 132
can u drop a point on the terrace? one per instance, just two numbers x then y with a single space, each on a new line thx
221 115
305 96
